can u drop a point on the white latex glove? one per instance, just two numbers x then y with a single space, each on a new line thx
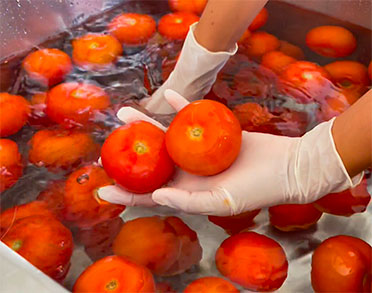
269 170
195 72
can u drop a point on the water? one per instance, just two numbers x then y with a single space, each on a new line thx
125 85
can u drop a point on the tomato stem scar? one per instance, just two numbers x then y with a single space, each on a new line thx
140 148
17 245
112 285
196 133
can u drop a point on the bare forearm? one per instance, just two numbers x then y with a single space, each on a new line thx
352 133
224 21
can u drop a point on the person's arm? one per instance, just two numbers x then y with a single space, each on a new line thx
352 134
224 22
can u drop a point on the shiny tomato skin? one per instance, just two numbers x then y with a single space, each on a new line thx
253 261
175 26
211 285
259 20
74 104
370 71
204 138
193 6
291 50
294 217
277 61
260 43
82 205
341 264
53 196
44 242
14 113
115 274
347 202
135 156
10 164
47 66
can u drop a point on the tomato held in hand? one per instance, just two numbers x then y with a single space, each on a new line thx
44 242
135 156
14 113
342 264
74 104
253 261
204 138
175 26
132 28
259 20
294 217
115 274
210 285
11 167
47 66
193 6
82 204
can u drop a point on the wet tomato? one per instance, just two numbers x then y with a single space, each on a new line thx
14 113
332 106
246 35
164 287
331 41
132 28
82 205
294 217
141 162
204 138
291 50
259 20
345 203
63 149
260 43
114 274
151 242
193 6
210 285
253 261
95 51
44 242
11 167
38 115
74 104
370 71
53 196
235 224
47 66
277 61
175 26
342 264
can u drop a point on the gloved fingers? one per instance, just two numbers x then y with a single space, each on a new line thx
174 99
209 202
115 194
129 114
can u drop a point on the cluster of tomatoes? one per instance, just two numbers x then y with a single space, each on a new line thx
142 157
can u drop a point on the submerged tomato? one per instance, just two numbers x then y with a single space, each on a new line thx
135 156
194 6
277 61
291 50
259 20
175 26
53 196
204 138
260 43
210 285
115 274
11 167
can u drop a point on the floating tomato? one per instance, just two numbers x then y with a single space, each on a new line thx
14 113
277 61
175 26
115 274
53 197
132 28
204 138
141 162
194 6
47 66
259 20
291 50
10 164
211 285
38 115
260 43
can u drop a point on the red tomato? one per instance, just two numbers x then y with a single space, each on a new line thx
175 26
370 70
44 242
95 51
38 115
82 204
331 41
47 66
235 224
53 197
291 50
276 61
132 28
150 242
114 274
164 287
342 264
294 217
332 106
260 43
345 203
204 138
73 103
211 285
14 113
64 149
259 20
10 164
246 35
253 261
136 157
193 6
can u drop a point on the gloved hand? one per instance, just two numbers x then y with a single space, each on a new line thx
195 72
269 170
